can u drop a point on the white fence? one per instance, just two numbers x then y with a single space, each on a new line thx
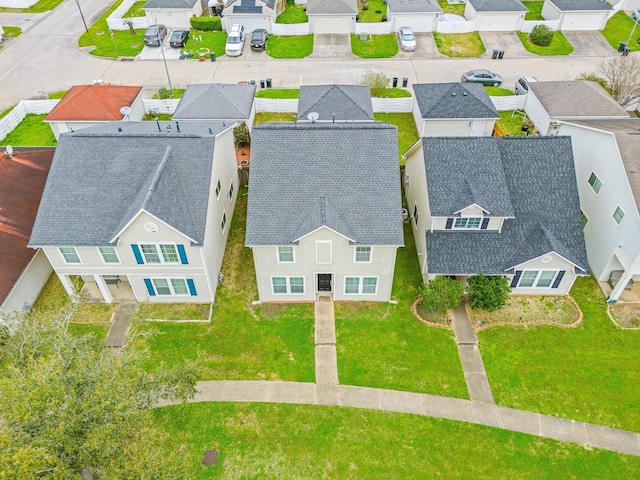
512 102
392 105
456 27
276 105
373 28
115 19
15 116
17 3
527 25
152 105
385 105
290 29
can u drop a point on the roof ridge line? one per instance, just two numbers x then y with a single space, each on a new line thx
156 177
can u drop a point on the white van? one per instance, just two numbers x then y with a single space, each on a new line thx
235 41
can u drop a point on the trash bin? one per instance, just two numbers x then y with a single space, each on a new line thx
622 46
252 82
261 83
268 83
405 81
626 51
395 82
495 54
213 56
501 56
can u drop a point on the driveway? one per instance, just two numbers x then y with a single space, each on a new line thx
331 46
155 53
507 41
426 48
589 44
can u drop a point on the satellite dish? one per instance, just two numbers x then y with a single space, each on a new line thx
9 150
125 111
313 116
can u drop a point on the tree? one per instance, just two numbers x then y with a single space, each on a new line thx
442 294
541 35
488 293
376 81
129 23
72 408
241 135
622 74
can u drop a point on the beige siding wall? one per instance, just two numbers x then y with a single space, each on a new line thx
29 285
62 127
537 113
416 194
440 223
550 11
454 128
551 261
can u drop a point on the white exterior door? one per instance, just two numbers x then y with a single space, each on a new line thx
340 24
250 23
476 128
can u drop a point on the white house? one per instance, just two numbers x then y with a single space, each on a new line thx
419 15
324 214
174 14
496 15
577 14
141 207
332 16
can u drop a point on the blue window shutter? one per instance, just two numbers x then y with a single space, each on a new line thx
192 287
183 255
485 223
138 255
449 223
150 288
516 279
558 279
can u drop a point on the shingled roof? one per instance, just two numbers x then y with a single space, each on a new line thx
498 6
454 100
580 5
576 98
332 7
344 176
101 178
215 101
95 103
539 176
180 4
346 102
413 6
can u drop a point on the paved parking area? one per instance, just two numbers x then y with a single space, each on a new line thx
332 46
155 53
507 41
426 48
589 44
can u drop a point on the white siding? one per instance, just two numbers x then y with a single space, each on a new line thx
332 24
173 18
250 22
418 22
453 128
550 11
537 113
583 21
416 193
499 21
62 127
29 285
551 261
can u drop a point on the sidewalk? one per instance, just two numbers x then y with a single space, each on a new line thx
325 340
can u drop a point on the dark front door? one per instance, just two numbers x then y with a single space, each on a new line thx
324 282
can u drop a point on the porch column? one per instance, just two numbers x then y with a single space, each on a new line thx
104 289
629 271
68 286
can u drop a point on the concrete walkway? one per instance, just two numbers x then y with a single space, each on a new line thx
474 373
470 411
325 340
117 336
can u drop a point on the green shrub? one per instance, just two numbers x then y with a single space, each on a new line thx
488 293
376 81
541 36
442 294
206 24
241 135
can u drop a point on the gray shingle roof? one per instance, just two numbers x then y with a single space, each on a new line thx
100 178
576 98
413 6
215 101
454 100
260 7
347 102
344 176
498 6
541 180
569 5
332 7
181 4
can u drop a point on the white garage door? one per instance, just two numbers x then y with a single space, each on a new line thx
492 22
250 23
416 22
582 21
331 24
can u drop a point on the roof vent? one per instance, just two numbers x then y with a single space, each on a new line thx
464 94
453 94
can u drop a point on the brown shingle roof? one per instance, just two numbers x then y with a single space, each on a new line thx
93 103
22 179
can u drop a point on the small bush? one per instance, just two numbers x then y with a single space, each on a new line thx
442 294
488 293
592 77
206 24
376 81
241 135
541 36
164 93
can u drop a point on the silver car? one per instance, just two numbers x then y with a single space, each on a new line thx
154 35
485 77
407 39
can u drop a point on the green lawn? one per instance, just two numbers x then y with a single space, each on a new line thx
289 46
618 29
259 441
559 46
498 92
446 7
214 41
535 10
175 93
385 346
6 112
376 46
282 93
79 329
39 7
136 10
11 32
395 93
459 44
293 13
264 117
57 95
510 123
31 132
407 131
588 373
268 342
376 9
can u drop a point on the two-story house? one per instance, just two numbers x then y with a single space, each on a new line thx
143 207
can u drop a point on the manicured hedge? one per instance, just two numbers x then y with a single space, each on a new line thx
206 24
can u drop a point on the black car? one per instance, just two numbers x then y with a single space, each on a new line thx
154 35
179 38
259 39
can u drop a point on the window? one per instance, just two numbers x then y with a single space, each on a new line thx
537 278
618 215
150 253
166 253
70 255
169 253
170 286
584 219
467 222
415 213
218 189
179 286
223 223
595 183
363 254
360 285
231 189
109 254
527 279
285 285
285 255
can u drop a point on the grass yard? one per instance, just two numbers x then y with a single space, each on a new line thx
268 342
535 10
79 329
173 311
446 7
385 346
264 117
289 46
282 93
459 44
510 123
31 132
303 441
163 117
175 93
559 46
395 93
97 313
498 92
407 131
528 310
6 112
11 32
376 46
39 7
57 95
375 10
293 13
214 41
618 29
52 297
588 373
136 10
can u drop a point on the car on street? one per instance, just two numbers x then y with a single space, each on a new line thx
154 35
406 39
482 76
235 41
259 39
522 85
179 38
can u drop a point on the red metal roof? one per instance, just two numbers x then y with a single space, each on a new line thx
93 103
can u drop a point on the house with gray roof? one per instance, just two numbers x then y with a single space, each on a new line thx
496 15
577 14
217 102
419 15
504 206
140 210
337 103
325 211
175 14
453 109
252 14
332 16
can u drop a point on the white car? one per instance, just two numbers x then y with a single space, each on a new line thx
407 39
235 41
636 15
522 85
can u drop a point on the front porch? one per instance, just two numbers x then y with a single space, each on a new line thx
109 291
627 296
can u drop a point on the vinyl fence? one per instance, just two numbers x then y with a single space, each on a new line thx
513 102
152 105
456 27
373 28
527 25
392 105
115 19
290 29
17 3
15 116
276 105
382 105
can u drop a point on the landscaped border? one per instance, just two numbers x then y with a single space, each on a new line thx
414 310
613 320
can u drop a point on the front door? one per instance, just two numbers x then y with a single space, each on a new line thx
324 282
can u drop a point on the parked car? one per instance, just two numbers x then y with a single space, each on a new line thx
179 38
406 39
636 15
235 41
259 39
522 85
154 35
484 77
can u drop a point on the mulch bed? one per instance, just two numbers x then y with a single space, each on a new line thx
429 317
625 315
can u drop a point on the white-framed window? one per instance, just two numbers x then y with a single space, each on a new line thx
109 254
618 215
362 254
287 285
415 213
595 183
70 255
159 252
286 255
360 285
231 188
467 223
537 278
170 286
223 223
218 189
584 219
